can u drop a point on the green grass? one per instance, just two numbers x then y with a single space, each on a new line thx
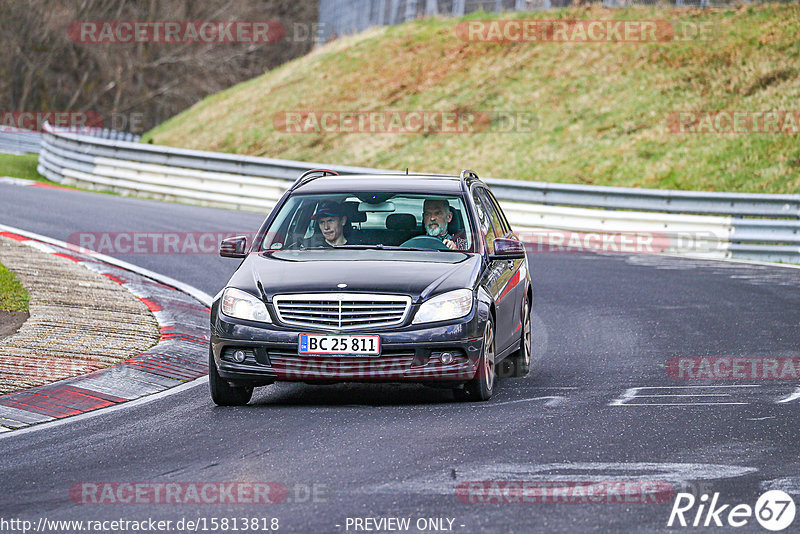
13 297
601 108
22 166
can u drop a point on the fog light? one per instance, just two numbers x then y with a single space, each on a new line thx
238 356
447 358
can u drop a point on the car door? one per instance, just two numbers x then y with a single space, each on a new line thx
515 289
498 274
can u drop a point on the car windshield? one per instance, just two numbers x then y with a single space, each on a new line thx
371 220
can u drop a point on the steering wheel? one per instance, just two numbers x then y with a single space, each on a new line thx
425 241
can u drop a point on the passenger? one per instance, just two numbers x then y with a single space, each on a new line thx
436 215
331 220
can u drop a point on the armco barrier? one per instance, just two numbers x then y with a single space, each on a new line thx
19 141
704 224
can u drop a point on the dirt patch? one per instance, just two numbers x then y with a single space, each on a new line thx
11 321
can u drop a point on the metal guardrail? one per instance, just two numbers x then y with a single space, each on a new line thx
748 226
15 141
18 141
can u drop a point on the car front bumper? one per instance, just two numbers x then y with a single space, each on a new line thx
408 354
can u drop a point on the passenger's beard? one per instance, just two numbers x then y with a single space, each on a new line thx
433 230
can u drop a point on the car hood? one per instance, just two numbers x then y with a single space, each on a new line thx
418 274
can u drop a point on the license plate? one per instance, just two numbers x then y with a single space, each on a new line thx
345 345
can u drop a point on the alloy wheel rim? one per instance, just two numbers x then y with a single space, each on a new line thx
527 333
488 357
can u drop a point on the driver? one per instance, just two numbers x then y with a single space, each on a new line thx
436 215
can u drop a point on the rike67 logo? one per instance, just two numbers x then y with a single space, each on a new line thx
774 510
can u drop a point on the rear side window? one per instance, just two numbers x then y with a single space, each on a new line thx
484 221
499 212
497 221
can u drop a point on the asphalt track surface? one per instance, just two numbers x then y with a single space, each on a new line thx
603 324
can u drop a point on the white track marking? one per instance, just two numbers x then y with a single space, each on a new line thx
632 394
790 398
15 181
551 401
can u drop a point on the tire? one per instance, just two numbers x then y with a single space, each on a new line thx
222 393
481 387
521 360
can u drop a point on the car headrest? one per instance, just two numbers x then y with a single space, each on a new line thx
456 224
401 221
353 215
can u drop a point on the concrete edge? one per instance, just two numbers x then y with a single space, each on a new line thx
177 362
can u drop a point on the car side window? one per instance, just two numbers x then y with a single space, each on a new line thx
499 213
484 221
497 220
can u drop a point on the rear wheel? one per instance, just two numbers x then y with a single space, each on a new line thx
481 387
222 393
521 359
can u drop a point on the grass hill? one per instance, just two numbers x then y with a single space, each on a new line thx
602 109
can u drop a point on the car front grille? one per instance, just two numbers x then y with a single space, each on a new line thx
342 311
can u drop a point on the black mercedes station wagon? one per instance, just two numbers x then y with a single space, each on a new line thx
375 278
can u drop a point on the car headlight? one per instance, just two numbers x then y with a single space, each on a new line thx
450 305
242 305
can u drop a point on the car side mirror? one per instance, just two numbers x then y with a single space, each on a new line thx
507 249
233 247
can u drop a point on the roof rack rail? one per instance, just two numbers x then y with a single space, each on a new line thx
312 174
466 173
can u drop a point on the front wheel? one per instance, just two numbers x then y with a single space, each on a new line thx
222 393
481 387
